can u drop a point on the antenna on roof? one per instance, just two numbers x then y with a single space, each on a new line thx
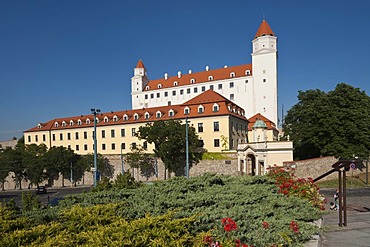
264 16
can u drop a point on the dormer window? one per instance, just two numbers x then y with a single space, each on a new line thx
232 74
56 125
159 85
136 116
125 117
64 124
71 123
248 72
39 126
158 114
171 113
79 122
216 108
115 118
210 78
187 111
192 81
106 119
88 121
147 115
147 88
175 83
200 109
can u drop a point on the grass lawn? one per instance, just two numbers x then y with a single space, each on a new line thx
352 182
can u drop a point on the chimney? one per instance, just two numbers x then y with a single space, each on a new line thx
165 76
225 66
207 68
179 74
189 71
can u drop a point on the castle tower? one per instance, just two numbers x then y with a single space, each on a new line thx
264 67
138 83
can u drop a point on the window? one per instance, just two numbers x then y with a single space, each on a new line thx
211 87
125 117
219 86
133 145
115 119
133 132
88 121
175 83
69 136
76 135
122 132
112 133
232 96
159 85
136 116
147 115
247 72
53 137
123 145
186 111
159 115
145 145
203 88
195 90
210 78
56 125
152 95
200 127
85 134
181 91
103 134
44 138
173 93
29 138
200 109
231 84
85 147
69 147
215 108
216 126
188 90
106 120
36 138
264 80
77 147
103 146
61 136
169 103
79 122
192 81
171 113
232 74
158 95
246 81
216 142
71 123
165 94
147 88
113 146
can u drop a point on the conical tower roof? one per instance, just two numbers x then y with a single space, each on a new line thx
264 30
140 64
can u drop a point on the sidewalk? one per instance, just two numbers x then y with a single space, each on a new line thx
355 234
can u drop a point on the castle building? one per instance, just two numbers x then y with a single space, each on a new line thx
251 86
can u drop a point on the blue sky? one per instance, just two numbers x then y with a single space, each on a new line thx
62 58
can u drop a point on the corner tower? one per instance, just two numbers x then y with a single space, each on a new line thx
138 83
264 67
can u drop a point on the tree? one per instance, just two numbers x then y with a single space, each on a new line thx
141 160
33 160
4 165
105 169
333 123
170 144
14 159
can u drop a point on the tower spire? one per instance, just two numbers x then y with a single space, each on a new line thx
264 30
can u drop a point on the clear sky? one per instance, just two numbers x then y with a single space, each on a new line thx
62 58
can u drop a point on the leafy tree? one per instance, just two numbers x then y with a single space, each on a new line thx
104 167
333 123
169 139
141 160
14 159
33 159
30 201
4 165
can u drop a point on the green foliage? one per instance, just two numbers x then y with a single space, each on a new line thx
125 181
214 156
169 138
30 201
138 158
104 167
332 124
103 184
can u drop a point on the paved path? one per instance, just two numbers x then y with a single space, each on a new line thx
357 231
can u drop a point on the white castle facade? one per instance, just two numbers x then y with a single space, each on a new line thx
251 86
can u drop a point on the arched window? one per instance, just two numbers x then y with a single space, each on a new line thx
79 122
88 121
147 88
106 119
159 85
136 116
175 83
115 118
200 109
210 78
232 74
147 115
125 117
39 126
216 108
56 125
192 81
186 111
171 113
248 72
71 123
159 114
64 124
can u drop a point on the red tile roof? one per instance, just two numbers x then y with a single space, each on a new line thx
199 77
140 64
206 99
264 30
252 120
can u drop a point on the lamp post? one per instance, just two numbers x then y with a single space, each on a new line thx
187 149
123 170
95 111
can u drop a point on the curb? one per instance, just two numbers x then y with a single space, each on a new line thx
316 240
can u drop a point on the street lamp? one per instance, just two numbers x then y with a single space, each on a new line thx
95 111
122 162
187 149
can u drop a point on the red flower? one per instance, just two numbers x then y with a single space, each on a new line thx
265 225
229 224
294 226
